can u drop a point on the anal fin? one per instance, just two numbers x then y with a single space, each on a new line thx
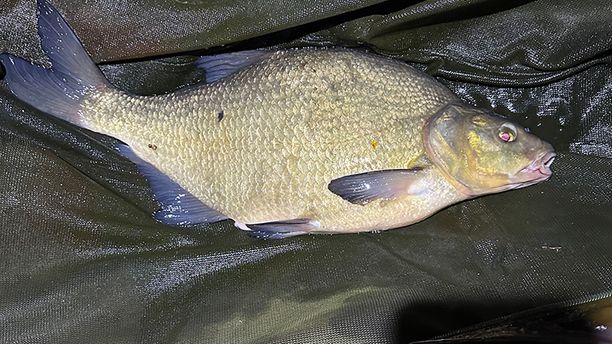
177 206
281 229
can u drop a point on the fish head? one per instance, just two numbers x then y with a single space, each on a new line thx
480 152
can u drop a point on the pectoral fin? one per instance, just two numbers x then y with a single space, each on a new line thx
367 187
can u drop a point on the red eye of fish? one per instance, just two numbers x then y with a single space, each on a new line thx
507 135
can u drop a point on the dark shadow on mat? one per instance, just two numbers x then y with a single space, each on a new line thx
514 322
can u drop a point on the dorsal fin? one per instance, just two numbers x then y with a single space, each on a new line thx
220 66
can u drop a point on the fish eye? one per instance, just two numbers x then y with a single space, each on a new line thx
507 133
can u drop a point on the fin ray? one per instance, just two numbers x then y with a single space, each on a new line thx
366 187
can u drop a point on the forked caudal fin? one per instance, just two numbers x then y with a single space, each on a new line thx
58 90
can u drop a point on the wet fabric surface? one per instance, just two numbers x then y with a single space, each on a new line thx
82 260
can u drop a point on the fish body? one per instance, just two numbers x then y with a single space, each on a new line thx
294 141
291 124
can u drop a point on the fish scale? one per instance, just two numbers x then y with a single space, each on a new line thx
293 141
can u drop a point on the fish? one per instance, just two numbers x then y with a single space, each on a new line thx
292 141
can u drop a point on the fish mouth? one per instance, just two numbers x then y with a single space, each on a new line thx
537 171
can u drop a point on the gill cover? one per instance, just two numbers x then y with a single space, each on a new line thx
440 140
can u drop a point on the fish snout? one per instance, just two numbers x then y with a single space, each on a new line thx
539 169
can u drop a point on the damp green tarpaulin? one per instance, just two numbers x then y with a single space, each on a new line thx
82 261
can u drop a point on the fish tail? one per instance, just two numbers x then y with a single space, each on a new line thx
61 89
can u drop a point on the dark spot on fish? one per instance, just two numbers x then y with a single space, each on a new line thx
220 115
152 146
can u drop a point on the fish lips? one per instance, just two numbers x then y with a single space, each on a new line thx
537 171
